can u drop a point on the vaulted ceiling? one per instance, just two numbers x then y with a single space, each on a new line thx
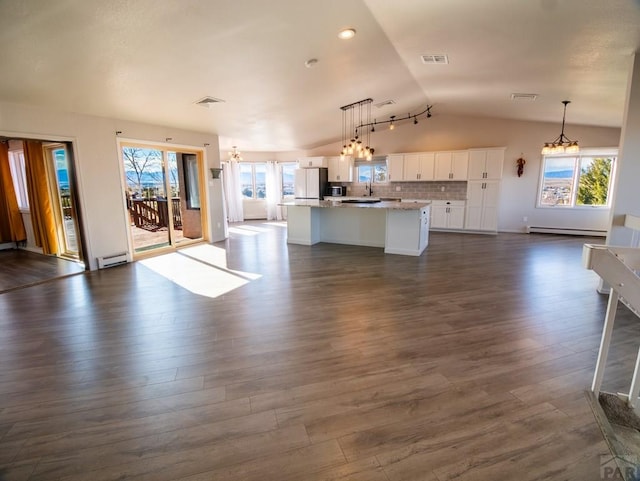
151 60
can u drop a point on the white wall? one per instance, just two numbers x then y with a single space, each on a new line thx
518 194
626 198
95 149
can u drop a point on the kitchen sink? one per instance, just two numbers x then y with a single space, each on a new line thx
360 201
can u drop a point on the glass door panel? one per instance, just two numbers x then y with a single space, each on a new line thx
65 212
185 186
147 200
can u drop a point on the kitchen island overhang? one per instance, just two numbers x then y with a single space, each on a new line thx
398 227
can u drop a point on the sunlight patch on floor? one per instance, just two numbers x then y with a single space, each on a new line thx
242 231
200 269
279 223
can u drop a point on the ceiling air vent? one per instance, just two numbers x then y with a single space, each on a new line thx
384 104
208 101
529 97
431 59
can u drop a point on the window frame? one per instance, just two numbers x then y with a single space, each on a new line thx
575 182
371 165
253 181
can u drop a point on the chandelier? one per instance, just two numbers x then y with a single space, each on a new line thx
561 144
356 117
234 154
353 119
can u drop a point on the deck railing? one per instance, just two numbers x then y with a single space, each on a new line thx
153 214
67 208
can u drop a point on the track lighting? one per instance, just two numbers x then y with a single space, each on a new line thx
354 120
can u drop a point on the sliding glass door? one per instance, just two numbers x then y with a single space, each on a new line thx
163 192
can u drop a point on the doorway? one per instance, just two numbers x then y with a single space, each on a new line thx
163 192
44 180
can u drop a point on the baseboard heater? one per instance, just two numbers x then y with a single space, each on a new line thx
113 260
531 229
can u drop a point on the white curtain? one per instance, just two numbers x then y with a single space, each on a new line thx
232 190
274 190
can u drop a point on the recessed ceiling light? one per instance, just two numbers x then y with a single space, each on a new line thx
347 33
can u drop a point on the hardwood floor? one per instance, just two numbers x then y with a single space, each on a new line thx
21 268
325 363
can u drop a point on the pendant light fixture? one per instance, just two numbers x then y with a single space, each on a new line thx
356 117
561 144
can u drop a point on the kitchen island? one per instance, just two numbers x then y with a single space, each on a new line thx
398 227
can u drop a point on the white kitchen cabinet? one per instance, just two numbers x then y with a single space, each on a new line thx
395 167
482 205
419 166
486 164
447 214
451 165
340 170
305 162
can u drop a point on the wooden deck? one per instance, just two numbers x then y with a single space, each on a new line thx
329 362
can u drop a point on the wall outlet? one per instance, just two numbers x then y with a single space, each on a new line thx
442 189
348 189
525 219
398 188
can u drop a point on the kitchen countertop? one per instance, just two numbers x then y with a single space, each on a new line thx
383 204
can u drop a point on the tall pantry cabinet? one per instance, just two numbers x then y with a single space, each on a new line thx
483 189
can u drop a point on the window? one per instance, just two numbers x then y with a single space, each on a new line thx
253 180
288 178
19 177
576 181
371 171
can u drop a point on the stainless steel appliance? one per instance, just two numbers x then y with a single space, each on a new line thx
311 183
337 191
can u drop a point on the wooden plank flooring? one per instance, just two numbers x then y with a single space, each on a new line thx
333 363
20 268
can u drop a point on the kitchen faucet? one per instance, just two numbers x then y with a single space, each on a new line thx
368 188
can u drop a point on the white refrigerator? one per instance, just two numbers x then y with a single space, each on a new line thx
311 183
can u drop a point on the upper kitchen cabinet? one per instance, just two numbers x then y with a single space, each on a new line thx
395 167
486 164
306 162
419 166
340 170
451 165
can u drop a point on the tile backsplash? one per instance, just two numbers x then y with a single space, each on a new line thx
413 190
